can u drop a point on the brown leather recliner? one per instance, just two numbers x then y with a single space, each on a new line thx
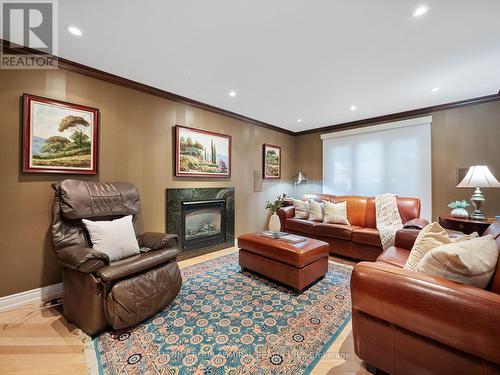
407 322
96 293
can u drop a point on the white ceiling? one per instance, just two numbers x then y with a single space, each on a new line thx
290 59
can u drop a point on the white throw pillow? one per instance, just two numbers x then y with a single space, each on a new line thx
301 209
471 261
115 238
336 213
315 210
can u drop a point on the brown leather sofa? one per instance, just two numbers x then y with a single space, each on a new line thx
361 239
96 293
406 322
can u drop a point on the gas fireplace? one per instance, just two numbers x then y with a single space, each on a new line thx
203 219
203 223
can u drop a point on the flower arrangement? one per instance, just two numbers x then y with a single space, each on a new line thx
458 208
458 204
276 205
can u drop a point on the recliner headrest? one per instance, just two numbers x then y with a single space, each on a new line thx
85 199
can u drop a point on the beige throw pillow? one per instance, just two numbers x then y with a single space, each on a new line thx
468 261
335 213
315 210
301 209
431 236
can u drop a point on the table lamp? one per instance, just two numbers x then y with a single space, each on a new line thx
478 176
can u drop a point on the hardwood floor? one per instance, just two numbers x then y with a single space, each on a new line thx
34 341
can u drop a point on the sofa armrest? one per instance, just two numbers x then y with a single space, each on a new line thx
417 223
461 316
405 238
156 241
284 213
83 259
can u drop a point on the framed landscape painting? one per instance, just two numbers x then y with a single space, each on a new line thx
200 153
59 137
272 162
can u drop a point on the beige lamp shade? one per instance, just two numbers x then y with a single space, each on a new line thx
478 176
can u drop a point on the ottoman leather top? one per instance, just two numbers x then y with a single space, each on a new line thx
297 255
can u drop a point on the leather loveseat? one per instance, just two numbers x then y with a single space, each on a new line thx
98 293
406 322
360 240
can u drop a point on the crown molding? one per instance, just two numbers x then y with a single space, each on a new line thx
402 115
75 67
71 66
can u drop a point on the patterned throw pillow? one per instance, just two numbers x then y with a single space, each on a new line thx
315 210
301 209
470 261
335 213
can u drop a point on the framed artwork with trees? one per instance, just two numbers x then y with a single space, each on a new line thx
59 137
271 160
200 153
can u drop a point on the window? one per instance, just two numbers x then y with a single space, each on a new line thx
388 158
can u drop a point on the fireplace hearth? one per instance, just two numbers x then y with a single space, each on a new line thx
203 219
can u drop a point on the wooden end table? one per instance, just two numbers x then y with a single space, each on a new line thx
464 224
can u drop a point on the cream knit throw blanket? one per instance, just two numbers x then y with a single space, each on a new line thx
388 218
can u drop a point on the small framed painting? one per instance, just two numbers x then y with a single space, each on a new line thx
272 162
200 153
59 137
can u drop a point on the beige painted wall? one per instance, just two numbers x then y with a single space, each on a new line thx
135 146
460 138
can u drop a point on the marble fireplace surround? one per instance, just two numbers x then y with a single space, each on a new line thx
175 197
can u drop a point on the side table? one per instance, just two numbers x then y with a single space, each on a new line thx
464 224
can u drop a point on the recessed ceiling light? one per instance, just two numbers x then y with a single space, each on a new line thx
421 10
299 120
435 89
353 107
75 30
232 93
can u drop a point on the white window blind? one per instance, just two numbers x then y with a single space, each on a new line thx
388 158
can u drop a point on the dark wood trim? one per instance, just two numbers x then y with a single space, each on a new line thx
75 67
402 115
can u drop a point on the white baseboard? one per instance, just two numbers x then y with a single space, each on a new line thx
34 296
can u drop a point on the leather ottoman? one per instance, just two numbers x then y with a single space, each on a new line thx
295 265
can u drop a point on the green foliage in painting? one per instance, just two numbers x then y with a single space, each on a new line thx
68 152
194 157
272 163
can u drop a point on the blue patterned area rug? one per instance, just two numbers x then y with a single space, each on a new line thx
226 321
